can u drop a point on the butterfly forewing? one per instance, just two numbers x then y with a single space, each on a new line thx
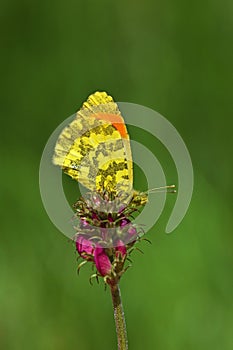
94 148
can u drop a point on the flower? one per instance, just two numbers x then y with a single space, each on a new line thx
105 235
85 248
102 262
121 251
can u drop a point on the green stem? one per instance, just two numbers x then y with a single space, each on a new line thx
119 317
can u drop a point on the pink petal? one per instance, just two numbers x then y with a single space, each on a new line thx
120 250
102 261
84 247
124 222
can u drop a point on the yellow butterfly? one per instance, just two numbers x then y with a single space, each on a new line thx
94 149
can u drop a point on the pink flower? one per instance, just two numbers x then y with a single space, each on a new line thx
85 248
120 251
102 261
124 222
131 230
105 236
84 223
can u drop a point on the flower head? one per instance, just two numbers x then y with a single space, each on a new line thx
105 234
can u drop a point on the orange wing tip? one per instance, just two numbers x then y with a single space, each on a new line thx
103 107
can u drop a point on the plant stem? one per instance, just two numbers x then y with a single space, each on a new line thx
119 317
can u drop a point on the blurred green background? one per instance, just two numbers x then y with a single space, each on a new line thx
175 57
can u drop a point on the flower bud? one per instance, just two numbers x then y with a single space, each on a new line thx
102 261
85 248
120 251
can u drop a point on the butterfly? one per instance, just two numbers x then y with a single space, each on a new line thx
94 149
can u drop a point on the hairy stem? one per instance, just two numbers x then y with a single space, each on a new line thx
119 317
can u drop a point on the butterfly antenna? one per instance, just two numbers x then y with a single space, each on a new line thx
167 189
